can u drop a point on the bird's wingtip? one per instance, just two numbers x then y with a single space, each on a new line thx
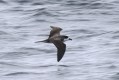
54 27
58 60
51 26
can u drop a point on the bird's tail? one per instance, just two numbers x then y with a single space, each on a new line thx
46 41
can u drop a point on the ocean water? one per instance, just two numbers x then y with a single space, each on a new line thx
93 54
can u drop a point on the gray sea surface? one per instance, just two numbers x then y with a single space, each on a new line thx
93 54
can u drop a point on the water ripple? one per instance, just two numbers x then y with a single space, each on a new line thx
91 55
20 73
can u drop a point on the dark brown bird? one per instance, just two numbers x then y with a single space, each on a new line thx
57 40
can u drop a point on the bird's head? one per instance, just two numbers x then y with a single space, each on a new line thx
66 37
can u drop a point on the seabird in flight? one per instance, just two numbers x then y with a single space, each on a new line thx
57 40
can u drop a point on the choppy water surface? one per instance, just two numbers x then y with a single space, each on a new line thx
93 54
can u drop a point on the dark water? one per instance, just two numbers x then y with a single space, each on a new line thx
93 54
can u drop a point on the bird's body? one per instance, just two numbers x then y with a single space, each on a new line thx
58 41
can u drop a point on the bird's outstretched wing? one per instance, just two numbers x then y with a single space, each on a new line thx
61 48
55 30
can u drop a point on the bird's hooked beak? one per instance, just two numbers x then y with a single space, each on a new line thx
70 39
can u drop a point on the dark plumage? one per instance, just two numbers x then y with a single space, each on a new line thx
58 41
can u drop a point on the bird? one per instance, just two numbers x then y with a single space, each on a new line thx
58 40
